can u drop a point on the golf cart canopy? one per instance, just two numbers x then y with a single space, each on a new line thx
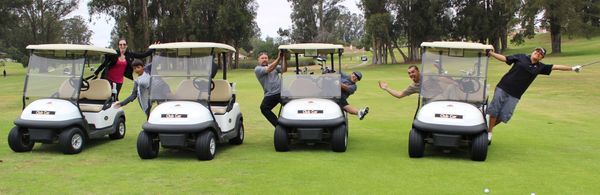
192 48
456 45
455 71
69 49
316 48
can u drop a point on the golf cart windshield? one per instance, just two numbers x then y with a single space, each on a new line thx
455 74
311 86
180 77
304 84
56 76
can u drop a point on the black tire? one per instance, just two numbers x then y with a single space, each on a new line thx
479 147
71 140
339 138
239 139
18 140
416 144
206 145
147 145
120 130
281 140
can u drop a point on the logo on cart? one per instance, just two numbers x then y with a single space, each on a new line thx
450 116
43 112
173 116
310 111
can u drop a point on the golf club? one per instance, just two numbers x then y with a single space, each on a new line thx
590 63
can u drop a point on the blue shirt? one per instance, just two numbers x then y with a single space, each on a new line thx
351 86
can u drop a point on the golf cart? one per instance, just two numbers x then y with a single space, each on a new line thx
454 99
310 112
195 111
63 107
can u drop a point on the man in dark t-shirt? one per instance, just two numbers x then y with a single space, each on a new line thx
516 81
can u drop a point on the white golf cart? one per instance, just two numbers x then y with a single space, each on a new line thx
454 99
310 112
61 105
195 110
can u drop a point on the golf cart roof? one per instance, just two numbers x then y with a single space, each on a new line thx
70 49
218 47
456 45
322 48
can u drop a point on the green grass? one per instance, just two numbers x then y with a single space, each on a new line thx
551 146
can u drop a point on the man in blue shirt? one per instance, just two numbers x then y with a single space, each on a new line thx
516 81
348 85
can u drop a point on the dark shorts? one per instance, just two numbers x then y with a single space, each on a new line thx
343 102
502 106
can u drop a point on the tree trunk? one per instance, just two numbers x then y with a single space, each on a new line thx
145 21
401 52
504 39
555 35
391 49
236 58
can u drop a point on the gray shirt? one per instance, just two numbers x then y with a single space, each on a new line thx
270 81
141 90
351 86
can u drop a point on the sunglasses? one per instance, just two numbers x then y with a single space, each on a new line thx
124 44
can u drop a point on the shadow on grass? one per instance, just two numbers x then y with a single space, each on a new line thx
189 153
55 147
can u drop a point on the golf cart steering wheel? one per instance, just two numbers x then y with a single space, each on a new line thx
469 85
198 81
85 85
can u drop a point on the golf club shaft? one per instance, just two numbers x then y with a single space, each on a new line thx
590 63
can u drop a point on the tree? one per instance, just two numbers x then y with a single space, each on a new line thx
76 31
304 24
34 22
559 17
235 21
134 16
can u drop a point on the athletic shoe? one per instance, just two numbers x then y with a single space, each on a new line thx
363 112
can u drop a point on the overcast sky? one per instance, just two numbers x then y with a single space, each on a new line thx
271 15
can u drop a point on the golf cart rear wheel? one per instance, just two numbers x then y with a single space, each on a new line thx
281 140
18 140
120 130
339 138
71 140
147 145
206 145
479 147
239 139
416 144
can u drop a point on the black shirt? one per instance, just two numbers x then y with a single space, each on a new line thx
521 74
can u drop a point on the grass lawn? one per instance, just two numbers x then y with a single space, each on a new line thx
550 146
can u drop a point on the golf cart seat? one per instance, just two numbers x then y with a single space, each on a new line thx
221 97
66 91
97 97
187 91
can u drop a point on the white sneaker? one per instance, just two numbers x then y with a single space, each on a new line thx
363 112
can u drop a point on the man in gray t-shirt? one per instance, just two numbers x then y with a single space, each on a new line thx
270 80
415 87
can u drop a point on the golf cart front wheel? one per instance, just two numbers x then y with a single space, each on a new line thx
479 147
18 140
120 130
339 139
416 144
71 140
239 139
206 145
147 145
281 140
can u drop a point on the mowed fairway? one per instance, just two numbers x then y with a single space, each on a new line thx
551 146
